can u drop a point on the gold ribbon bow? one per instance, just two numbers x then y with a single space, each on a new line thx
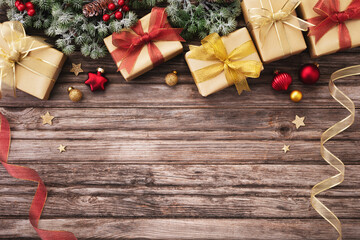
15 48
330 158
265 19
236 70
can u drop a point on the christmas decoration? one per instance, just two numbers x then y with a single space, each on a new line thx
309 73
96 80
31 66
200 19
336 25
126 47
296 96
100 7
329 157
29 7
281 81
47 118
65 21
62 148
275 28
231 67
76 69
28 174
171 79
286 148
299 121
75 95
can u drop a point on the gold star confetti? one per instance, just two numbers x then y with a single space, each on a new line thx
286 148
47 118
76 69
299 121
62 148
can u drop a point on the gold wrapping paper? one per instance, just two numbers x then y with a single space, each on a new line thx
46 64
169 50
329 43
271 50
219 82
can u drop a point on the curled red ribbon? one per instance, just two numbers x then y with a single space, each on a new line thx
29 174
130 43
331 16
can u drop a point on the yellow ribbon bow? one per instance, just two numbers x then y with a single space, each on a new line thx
15 48
265 19
236 70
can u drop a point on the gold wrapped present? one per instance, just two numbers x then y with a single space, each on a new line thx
150 42
337 25
224 61
275 28
27 63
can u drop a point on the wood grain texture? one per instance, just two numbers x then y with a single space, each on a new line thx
146 161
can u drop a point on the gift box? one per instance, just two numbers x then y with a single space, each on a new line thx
276 30
337 25
150 42
27 63
221 62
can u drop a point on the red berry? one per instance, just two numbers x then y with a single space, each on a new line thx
21 7
17 3
111 7
125 8
118 15
121 3
106 17
29 5
31 12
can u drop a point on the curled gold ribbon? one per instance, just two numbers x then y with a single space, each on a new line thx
15 48
265 19
236 70
330 158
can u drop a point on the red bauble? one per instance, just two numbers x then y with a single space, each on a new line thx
17 3
29 5
121 3
281 81
111 7
96 81
125 8
106 17
309 73
31 12
21 7
118 15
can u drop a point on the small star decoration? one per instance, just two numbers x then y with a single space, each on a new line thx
47 118
286 148
96 81
62 148
299 121
76 69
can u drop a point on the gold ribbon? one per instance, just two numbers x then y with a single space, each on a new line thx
236 70
330 158
15 48
264 19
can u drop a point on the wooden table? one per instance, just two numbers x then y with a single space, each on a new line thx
148 161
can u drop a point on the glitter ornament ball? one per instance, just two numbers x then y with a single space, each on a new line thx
309 73
171 79
296 96
75 95
281 81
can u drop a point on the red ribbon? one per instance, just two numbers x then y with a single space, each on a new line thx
130 43
28 174
330 16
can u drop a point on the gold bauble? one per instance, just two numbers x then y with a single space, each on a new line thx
296 96
171 79
75 95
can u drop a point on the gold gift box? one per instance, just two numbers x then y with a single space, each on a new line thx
169 50
271 50
329 43
232 41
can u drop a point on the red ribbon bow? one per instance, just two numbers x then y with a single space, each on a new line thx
130 43
330 16
29 174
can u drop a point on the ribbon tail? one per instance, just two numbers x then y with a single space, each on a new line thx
155 54
321 29
344 36
208 72
299 23
129 60
238 78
